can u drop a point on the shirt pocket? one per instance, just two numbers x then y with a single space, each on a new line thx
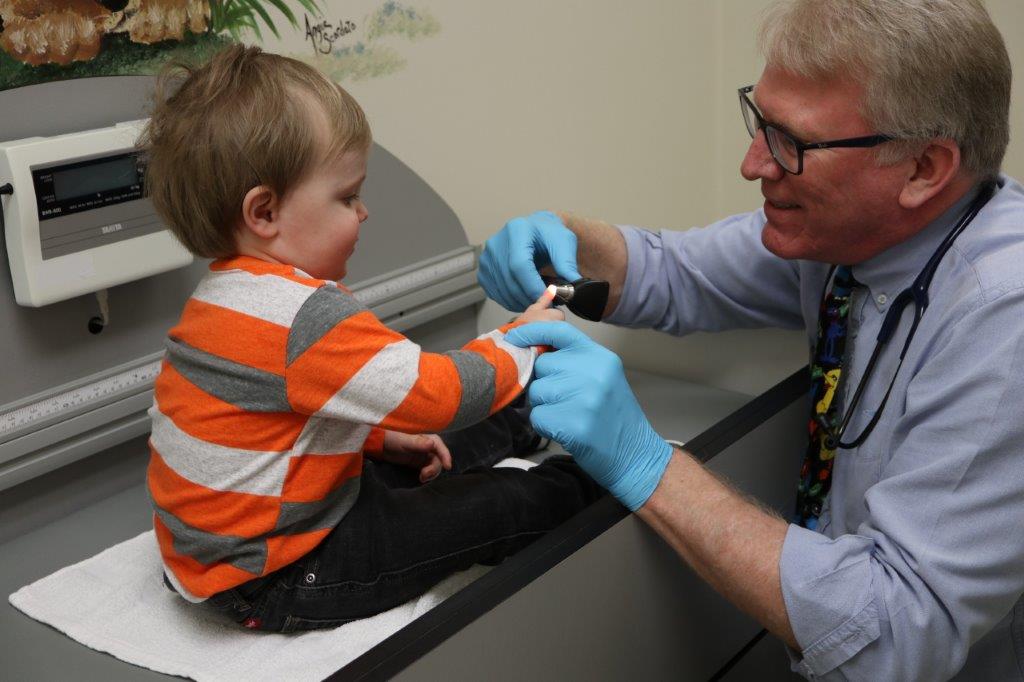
858 469
877 445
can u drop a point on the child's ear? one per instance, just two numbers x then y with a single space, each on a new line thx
259 209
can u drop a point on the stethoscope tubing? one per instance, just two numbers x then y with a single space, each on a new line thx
917 293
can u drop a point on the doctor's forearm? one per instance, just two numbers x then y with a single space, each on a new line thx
600 253
730 542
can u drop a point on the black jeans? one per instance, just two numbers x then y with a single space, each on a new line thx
402 537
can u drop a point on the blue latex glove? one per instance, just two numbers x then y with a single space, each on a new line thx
581 399
511 259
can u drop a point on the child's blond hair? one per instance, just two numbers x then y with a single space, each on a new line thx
245 118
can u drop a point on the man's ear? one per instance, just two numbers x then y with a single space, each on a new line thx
259 210
932 171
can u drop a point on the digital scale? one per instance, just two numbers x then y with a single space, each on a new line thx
78 220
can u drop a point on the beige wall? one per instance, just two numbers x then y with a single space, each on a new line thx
625 111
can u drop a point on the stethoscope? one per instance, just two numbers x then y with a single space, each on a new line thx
916 293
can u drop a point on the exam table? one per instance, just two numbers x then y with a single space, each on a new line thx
600 597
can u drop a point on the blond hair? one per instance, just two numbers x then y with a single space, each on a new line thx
243 119
929 68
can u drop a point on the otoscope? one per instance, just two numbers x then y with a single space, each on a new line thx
585 297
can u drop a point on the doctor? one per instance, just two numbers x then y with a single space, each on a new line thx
878 129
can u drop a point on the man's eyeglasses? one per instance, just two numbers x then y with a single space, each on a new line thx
786 149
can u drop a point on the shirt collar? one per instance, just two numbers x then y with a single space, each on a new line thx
893 270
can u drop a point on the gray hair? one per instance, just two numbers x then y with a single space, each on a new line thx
929 68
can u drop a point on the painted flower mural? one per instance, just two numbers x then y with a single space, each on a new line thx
44 40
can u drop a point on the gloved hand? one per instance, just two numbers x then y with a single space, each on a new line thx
581 399
512 258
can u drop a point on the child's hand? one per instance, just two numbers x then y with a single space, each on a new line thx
541 310
426 452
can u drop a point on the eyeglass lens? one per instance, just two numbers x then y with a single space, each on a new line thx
749 117
784 148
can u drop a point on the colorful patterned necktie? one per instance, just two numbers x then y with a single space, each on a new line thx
826 367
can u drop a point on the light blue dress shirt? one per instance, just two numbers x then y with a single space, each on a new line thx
917 569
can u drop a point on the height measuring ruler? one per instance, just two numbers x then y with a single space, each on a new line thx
378 290
67 403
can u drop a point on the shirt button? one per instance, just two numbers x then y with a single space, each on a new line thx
310 578
882 299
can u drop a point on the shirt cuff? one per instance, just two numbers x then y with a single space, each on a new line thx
634 245
827 588
375 441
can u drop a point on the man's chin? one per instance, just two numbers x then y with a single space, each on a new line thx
793 248
780 244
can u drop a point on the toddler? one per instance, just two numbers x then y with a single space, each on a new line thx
286 416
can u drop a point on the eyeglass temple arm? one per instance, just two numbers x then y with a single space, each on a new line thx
869 141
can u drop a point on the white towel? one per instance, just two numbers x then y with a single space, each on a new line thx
116 602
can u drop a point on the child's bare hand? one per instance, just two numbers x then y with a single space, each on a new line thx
541 310
425 451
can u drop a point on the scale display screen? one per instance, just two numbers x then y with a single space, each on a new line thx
85 185
85 204
95 178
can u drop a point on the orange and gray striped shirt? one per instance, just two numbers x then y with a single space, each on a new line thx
272 387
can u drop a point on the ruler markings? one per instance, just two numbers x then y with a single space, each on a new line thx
410 281
84 396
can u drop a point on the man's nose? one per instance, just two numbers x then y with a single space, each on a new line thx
759 164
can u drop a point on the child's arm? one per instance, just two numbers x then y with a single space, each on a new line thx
344 363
